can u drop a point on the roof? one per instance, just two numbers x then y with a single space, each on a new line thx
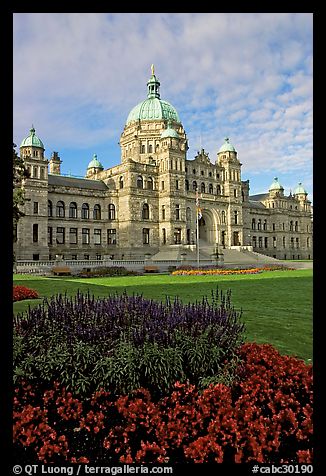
170 132
32 140
259 197
227 146
74 182
254 204
300 189
276 185
153 108
95 163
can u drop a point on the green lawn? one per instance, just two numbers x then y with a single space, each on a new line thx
277 305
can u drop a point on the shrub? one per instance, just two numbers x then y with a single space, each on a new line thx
125 341
264 417
21 292
107 271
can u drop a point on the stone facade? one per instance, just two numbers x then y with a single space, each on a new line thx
147 203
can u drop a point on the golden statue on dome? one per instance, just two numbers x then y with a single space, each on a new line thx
152 68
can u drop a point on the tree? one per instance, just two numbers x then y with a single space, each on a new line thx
20 173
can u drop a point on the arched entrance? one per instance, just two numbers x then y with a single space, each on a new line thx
207 228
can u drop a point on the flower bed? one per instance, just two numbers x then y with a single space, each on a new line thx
21 292
187 271
126 342
265 416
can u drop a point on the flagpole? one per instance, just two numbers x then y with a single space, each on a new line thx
197 225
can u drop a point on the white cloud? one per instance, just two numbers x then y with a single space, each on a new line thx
245 75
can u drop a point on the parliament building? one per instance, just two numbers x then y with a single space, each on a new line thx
146 205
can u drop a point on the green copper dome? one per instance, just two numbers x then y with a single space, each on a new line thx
275 185
95 163
170 132
32 140
227 146
153 108
300 189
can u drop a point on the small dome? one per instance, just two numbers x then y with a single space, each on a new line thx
275 185
227 146
300 189
95 163
32 140
170 132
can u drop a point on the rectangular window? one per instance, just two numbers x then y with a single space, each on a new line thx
177 236
35 208
164 236
163 212
97 236
266 242
98 256
177 184
36 257
50 235
112 237
85 236
86 257
284 242
162 185
273 226
73 236
74 257
146 236
60 235
260 241
274 241
177 212
35 233
235 192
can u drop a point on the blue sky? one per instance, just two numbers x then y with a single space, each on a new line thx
247 76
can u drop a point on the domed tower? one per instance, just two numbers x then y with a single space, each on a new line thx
94 167
32 232
153 147
300 193
276 189
141 138
227 158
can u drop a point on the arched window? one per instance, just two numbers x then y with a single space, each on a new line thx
150 183
188 214
85 211
60 209
97 212
111 211
42 173
145 212
210 188
73 210
150 148
223 217
265 225
194 185
50 209
259 224
218 190
202 187
187 184
121 182
35 172
253 224
140 182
